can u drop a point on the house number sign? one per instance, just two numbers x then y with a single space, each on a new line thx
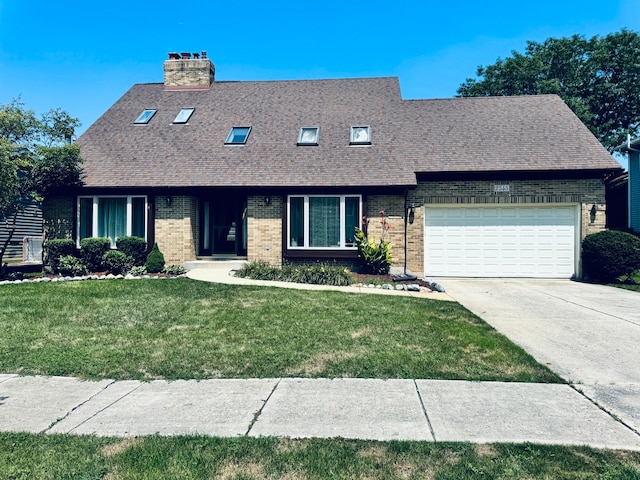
501 189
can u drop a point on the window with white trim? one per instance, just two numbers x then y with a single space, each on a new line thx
322 221
112 217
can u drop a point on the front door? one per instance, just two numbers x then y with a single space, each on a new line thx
224 226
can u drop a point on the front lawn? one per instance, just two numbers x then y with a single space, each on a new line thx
36 457
185 329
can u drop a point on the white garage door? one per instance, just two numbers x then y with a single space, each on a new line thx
501 241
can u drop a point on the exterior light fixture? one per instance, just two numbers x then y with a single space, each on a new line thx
168 200
267 201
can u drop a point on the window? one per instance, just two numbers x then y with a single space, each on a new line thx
112 217
308 136
184 115
145 116
360 135
238 136
323 221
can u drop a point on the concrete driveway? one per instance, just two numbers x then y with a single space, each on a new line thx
587 334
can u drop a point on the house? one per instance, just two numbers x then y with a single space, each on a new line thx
632 149
284 171
24 239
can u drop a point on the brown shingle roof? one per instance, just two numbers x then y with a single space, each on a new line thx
462 134
525 133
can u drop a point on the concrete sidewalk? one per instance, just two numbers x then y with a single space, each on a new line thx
427 410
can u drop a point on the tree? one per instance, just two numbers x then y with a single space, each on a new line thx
36 159
598 78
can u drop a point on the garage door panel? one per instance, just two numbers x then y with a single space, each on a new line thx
533 241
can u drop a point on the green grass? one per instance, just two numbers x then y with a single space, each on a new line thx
184 329
623 283
34 457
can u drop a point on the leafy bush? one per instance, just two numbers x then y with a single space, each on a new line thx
92 250
315 274
71 266
56 248
135 247
155 260
375 256
138 270
174 270
116 262
610 254
259 270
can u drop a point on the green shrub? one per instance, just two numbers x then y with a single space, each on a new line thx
259 270
375 256
135 247
56 248
610 254
138 270
174 270
92 250
116 262
70 265
315 274
155 260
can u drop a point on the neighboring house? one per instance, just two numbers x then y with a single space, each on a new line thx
632 148
285 170
25 245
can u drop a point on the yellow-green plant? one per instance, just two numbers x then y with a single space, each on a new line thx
375 255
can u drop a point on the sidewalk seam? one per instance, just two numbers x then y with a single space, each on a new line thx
424 411
53 424
604 409
254 420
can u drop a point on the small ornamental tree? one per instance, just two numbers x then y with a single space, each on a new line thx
155 260
609 255
36 160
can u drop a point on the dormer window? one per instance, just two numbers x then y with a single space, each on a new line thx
238 136
145 116
184 115
360 135
308 136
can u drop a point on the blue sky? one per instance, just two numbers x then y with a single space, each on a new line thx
83 55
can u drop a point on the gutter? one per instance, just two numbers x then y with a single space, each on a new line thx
627 146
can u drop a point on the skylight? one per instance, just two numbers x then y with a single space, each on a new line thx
145 116
360 135
308 136
184 115
238 135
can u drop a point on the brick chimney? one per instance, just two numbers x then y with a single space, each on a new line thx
181 72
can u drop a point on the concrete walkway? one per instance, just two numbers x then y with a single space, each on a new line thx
407 409
588 334
427 410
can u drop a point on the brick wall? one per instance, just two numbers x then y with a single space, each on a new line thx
264 227
175 228
57 216
188 73
393 207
